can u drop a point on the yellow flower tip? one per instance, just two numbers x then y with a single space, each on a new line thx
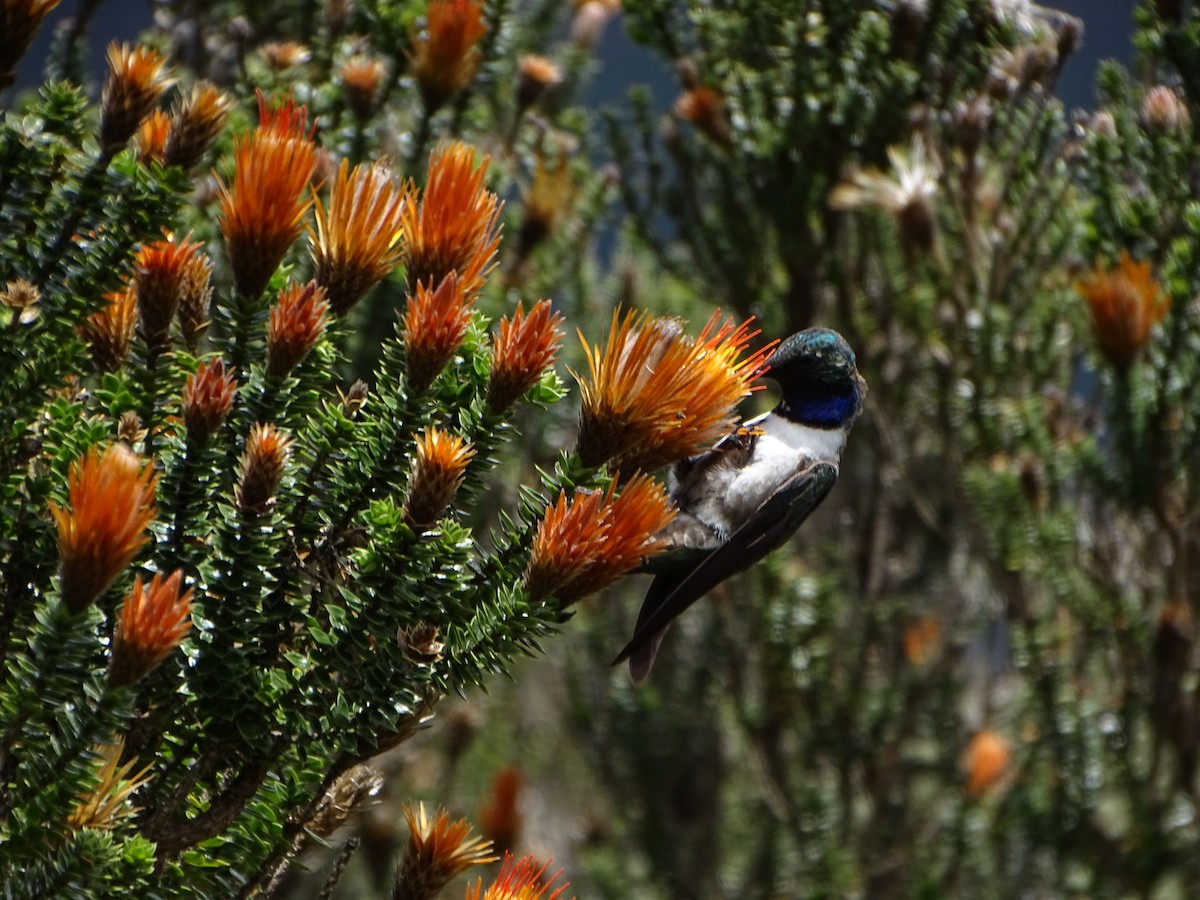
438 850
435 322
523 879
588 542
500 820
356 242
1126 303
195 125
547 200
456 225
263 462
535 76
361 76
208 397
110 504
262 214
654 395
985 761
282 55
166 270
109 332
20 20
524 347
439 467
704 108
106 805
153 621
137 78
296 322
152 137
445 56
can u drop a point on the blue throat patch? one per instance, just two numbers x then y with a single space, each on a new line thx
819 409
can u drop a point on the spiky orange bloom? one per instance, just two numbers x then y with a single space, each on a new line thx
1126 303
136 80
985 761
19 21
521 880
705 108
109 332
437 851
296 323
456 226
439 467
153 621
357 242
534 75
207 398
525 346
106 805
361 77
263 462
111 503
588 542
435 323
655 395
445 57
152 136
263 214
501 821
165 270
195 125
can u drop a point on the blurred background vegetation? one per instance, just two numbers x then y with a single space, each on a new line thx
973 672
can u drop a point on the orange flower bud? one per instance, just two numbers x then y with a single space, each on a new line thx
1126 303
267 451
705 108
438 850
166 269
361 77
152 136
535 75
435 323
439 467
195 125
525 346
445 57
152 623
985 761
109 332
111 503
500 821
296 323
207 399
136 80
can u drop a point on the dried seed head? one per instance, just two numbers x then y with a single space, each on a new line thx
22 297
267 451
195 125
524 347
136 80
129 428
421 644
352 791
439 467
110 504
297 321
208 397
152 622
109 332
445 57
354 398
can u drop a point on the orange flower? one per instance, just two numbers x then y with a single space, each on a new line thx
439 467
109 332
280 55
500 820
207 398
1126 303
357 242
152 136
19 21
705 108
535 74
262 215
195 125
521 880
655 396
111 499
361 77
437 851
525 346
105 806
267 451
985 761
589 542
136 80
166 269
296 323
456 226
445 56
153 621
435 323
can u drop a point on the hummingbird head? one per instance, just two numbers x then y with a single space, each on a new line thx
816 372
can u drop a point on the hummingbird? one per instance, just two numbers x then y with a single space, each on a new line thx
747 495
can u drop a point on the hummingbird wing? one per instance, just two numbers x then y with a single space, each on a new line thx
769 527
